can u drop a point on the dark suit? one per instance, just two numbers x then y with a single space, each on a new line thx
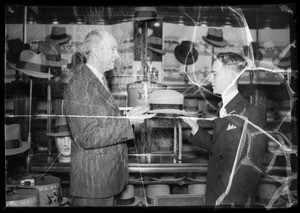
222 147
99 165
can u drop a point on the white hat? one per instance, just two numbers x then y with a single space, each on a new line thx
13 143
32 64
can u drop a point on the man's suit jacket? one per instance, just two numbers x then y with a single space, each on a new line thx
222 146
99 164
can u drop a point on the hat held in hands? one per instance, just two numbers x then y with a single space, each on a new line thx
32 64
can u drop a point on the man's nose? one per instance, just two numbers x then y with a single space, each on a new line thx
210 79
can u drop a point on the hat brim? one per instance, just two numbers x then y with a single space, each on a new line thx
32 73
60 134
169 111
24 146
216 43
186 60
58 41
282 64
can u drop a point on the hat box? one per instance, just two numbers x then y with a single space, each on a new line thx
156 189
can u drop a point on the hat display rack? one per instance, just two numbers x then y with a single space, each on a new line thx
29 139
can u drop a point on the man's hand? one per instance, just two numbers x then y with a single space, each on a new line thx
137 115
192 122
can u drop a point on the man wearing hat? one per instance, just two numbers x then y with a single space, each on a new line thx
236 148
99 166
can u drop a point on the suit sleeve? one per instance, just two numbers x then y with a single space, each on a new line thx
249 167
202 139
95 125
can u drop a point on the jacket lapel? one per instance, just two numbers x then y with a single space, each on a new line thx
235 106
102 90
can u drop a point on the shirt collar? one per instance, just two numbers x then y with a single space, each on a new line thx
228 97
94 70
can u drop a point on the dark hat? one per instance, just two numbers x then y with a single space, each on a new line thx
61 128
32 64
185 53
13 143
255 49
15 47
215 37
58 35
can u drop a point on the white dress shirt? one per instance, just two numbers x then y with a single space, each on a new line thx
226 99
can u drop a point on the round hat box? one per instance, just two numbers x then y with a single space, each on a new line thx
199 187
127 196
139 92
49 189
156 189
22 197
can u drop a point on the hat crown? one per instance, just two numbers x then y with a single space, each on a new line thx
32 57
58 30
12 131
215 32
185 47
48 48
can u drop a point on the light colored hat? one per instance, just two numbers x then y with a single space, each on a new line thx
52 53
215 37
61 128
32 64
58 35
185 53
166 97
13 143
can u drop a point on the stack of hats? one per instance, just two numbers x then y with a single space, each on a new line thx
199 185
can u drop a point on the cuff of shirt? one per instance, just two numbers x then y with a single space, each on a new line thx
194 131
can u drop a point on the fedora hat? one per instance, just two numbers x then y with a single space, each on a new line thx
32 64
58 35
185 53
61 128
52 53
13 143
15 47
255 49
215 37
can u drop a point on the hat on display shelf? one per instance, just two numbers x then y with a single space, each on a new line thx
13 143
58 35
215 37
32 64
